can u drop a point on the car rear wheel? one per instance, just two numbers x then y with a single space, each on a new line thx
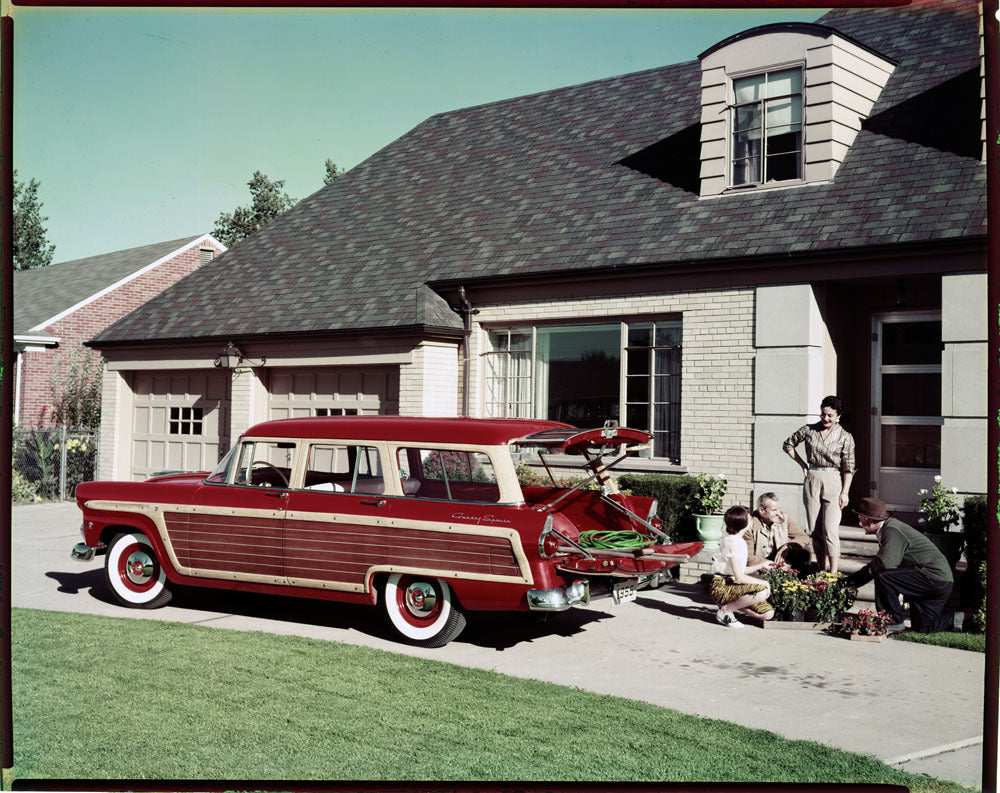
134 573
422 610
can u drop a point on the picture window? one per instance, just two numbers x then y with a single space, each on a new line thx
585 375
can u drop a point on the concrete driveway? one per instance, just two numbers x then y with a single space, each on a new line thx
916 707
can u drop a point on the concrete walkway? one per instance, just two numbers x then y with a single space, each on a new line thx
917 707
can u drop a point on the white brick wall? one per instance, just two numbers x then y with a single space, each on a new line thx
116 427
429 386
716 371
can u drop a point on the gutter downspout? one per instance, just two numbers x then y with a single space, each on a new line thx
18 358
466 309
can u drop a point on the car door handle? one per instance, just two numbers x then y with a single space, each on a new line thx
277 493
373 502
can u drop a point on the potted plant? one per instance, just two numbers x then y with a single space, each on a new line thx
830 595
789 596
939 512
706 506
867 625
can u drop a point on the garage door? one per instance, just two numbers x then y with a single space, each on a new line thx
180 421
334 391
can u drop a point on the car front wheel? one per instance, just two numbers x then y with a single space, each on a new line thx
134 573
422 610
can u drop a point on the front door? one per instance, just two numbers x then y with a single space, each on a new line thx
906 406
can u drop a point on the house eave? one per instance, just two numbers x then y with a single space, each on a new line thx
422 332
815 265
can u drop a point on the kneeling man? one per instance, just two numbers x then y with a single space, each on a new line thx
775 537
907 564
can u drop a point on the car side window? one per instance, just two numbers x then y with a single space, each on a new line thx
264 464
344 468
448 474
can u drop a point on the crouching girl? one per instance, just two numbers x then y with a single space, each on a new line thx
737 590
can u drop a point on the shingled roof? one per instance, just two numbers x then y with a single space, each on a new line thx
587 178
42 293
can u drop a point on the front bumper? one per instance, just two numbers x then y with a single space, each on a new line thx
83 552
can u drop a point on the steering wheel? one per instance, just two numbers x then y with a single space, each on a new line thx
274 468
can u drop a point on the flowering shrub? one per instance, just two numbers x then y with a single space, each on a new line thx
867 622
708 493
939 507
52 462
80 461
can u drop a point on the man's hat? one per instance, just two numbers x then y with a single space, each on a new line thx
873 509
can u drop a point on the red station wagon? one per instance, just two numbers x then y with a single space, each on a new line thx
422 516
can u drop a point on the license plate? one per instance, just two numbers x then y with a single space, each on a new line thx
623 593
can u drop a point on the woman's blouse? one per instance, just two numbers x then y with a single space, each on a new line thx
836 450
734 546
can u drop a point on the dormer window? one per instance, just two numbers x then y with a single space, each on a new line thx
767 127
781 106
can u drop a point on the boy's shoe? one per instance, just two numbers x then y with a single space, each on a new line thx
729 620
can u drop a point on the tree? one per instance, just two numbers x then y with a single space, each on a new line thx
268 201
31 246
332 172
76 390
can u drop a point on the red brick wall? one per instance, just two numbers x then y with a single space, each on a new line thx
36 368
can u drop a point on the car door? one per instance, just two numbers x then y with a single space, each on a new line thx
235 524
336 518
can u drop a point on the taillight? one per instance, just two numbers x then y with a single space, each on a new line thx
549 541
651 517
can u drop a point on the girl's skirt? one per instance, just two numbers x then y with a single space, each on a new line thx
724 590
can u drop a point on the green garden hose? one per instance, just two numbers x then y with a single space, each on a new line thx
616 540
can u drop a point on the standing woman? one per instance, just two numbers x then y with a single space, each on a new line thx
828 474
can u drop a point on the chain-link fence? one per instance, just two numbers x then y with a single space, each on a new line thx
49 464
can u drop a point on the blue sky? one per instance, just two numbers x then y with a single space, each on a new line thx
142 125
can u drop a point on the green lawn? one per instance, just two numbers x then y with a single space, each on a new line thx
974 642
105 698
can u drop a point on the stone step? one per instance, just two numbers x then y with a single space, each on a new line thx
860 536
858 548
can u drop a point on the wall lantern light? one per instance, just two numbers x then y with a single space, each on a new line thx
231 357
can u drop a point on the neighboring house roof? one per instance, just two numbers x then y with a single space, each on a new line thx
43 295
592 177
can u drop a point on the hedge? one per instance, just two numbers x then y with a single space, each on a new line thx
674 492
974 527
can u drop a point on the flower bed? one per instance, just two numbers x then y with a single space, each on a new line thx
820 597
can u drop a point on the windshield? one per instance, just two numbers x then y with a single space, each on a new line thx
221 473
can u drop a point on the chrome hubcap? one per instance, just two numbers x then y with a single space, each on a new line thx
139 567
421 599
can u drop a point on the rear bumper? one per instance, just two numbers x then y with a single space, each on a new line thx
559 598
582 591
